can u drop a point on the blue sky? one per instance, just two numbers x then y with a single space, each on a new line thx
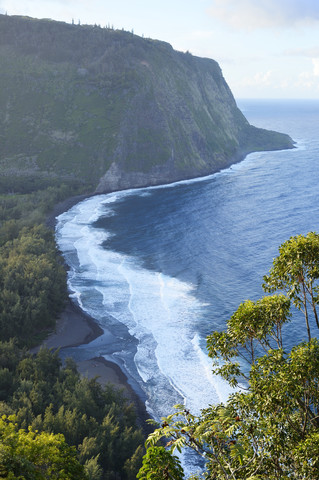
266 48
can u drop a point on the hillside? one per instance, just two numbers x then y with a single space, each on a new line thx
111 110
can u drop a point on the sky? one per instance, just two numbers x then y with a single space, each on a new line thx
266 48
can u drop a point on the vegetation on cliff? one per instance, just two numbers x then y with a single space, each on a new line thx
32 277
32 285
112 110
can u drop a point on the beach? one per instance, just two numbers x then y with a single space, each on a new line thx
74 327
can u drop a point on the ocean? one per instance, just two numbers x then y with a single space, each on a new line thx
160 268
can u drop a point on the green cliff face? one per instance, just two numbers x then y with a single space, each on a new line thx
113 110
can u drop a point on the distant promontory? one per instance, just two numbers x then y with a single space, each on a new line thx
111 110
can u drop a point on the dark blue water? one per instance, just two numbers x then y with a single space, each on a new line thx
172 264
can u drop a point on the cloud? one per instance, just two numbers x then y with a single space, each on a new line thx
260 79
253 14
305 80
303 52
309 79
315 64
311 74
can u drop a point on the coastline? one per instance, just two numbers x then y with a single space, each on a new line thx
63 206
74 328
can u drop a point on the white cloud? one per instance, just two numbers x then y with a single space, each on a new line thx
283 84
260 79
309 79
303 52
305 81
255 14
309 75
315 63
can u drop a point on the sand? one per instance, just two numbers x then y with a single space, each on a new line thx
74 328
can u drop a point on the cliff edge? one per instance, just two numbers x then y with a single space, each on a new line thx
112 110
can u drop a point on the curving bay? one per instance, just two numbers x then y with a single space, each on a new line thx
160 268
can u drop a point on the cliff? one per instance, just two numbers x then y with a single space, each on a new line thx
113 110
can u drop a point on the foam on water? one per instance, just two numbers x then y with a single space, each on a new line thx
259 202
216 242
158 310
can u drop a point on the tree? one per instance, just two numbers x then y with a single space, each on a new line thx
32 284
296 271
255 328
29 455
264 433
269 429
158 464
46 397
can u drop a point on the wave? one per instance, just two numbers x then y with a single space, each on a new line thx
158 311
252 206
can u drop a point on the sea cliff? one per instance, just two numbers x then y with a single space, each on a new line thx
111 110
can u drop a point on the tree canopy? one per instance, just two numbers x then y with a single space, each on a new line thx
48 399
296 272
46 408
30 455
32 284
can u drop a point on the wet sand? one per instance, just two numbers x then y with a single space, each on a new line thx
74 328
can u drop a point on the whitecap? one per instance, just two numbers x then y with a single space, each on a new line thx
157 310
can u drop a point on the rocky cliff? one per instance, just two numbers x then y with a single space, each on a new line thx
113 110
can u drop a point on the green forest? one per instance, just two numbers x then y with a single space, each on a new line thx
53 423
32 275
39 397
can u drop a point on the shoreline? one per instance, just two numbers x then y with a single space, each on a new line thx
75 328
64 206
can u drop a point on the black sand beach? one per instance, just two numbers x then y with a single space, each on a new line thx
74 328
